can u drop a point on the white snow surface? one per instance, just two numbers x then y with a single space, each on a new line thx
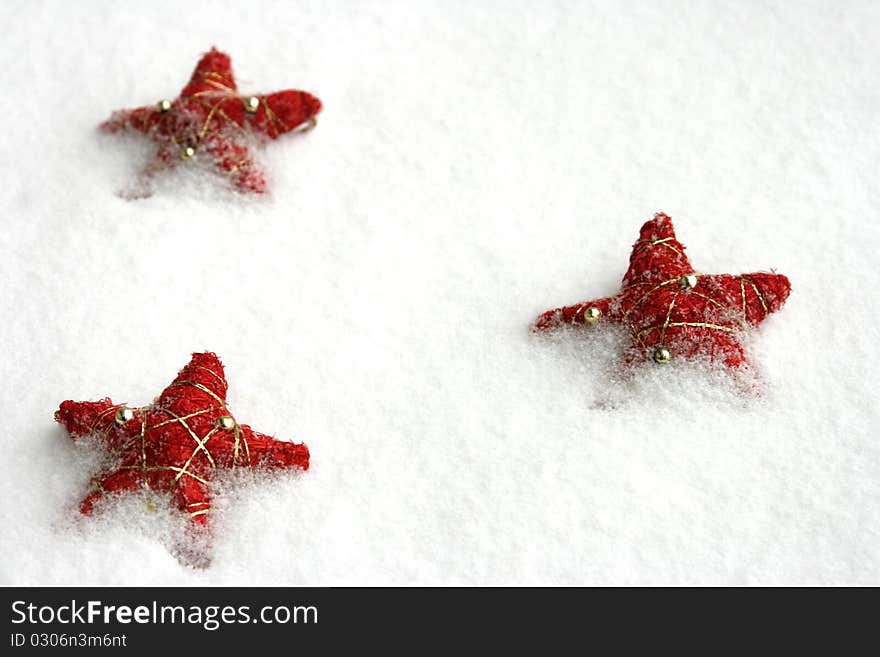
476 163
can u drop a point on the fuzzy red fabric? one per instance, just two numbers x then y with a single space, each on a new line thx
209 119
671 310
176 444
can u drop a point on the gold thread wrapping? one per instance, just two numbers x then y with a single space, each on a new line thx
717 327
273 117
101 416
191 433
144 450
195 451
668 317
215 84
196 384
717 303
646 295
760 296
247 449
172 468
208 118
661 242
185 417
212 373
235 448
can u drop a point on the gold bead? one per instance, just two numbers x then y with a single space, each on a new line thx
123 415
187 153
225 422
58 416
251 105
592 315
151 506
687 282
163 105
661 355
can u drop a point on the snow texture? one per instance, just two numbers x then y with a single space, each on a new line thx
476 164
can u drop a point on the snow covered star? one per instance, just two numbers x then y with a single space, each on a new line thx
209 119
175 445
673 311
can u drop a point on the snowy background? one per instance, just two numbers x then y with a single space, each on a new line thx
475 165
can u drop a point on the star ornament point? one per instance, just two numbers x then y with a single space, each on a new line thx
210 120
673 311
176 445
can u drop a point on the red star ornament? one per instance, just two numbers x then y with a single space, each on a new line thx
674 312
209 119
178 443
